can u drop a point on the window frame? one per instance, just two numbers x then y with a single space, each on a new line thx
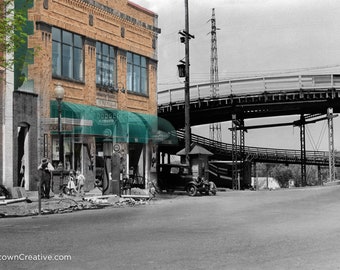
137 74
68 46
108 73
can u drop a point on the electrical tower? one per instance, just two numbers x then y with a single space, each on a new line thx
215 128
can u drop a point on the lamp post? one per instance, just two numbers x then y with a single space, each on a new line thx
59 93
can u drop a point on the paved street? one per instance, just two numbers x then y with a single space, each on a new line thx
287 229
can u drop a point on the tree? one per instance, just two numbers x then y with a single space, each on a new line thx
282 174
12 32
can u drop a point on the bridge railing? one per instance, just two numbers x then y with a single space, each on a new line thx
252 85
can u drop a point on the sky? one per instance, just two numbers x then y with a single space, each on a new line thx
256 38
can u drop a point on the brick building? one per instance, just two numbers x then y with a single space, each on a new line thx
104 55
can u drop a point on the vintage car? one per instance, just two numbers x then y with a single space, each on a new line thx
177 177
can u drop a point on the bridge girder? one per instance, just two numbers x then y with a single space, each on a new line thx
221 109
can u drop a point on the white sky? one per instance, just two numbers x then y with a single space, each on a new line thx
256 37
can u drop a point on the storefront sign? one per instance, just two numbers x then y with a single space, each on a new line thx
65 127
106 103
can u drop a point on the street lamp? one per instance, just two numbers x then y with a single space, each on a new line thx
59 93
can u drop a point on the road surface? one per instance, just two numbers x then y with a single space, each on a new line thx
285 229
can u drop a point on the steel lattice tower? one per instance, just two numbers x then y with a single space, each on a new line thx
215 129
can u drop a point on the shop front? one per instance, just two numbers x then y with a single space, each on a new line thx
105 144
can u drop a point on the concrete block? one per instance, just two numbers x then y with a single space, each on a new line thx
18 192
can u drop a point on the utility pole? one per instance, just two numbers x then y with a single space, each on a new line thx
215 128
187 37
184 71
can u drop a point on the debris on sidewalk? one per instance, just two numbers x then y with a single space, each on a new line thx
114 200
10 201
28 206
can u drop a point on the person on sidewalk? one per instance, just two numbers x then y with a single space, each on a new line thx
71 186
45 169
80 182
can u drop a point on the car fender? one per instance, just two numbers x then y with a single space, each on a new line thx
192 183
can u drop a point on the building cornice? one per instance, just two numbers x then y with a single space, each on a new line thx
122 15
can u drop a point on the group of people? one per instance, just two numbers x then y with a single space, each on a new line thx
75 184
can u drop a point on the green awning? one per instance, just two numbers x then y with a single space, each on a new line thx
123 126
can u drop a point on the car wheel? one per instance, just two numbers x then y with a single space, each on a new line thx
192 190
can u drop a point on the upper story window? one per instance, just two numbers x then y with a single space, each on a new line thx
137 73
105 65
68 57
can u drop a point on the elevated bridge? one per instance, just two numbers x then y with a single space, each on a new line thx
252 98
305 95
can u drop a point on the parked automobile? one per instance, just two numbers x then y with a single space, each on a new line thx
177 177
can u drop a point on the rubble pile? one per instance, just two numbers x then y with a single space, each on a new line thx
114 200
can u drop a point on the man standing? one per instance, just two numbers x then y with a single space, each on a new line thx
45 169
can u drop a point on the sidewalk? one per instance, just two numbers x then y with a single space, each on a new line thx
59 204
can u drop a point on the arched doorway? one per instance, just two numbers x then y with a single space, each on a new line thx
23 156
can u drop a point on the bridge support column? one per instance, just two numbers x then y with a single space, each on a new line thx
303 150
255 175
234 153
320 182
237 171
242 152
330 117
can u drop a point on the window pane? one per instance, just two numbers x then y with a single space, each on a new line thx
56 34
98 62
112 52
78 42
112 72
98 48
143 63
129 77
106 69
105 50
98 69
67 37
67 61
144 81
136 59
56 58
78 64
136 79
129 57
